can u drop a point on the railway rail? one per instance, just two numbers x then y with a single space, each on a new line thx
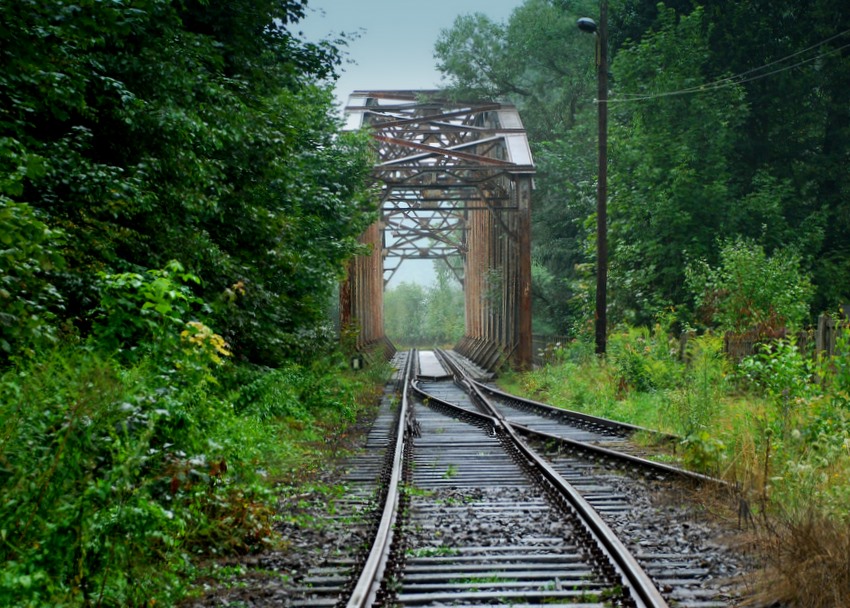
487 499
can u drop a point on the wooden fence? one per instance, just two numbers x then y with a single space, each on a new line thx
827 332
813 341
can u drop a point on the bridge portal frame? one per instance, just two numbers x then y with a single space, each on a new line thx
456 182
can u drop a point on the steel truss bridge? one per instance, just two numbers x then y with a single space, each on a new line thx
455 184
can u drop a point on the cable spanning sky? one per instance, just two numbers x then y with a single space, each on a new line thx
394 50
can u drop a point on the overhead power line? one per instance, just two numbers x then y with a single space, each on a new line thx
741 78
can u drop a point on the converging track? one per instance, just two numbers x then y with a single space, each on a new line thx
471 513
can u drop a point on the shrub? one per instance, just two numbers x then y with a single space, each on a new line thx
143 313
84 519
696 401
113 476
750 289
29 252
785 376
643 360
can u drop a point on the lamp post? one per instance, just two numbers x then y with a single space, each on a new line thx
601 30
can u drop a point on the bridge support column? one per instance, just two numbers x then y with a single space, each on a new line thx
361 299
524 353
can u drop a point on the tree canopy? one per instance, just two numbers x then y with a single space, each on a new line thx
139 132
727 120
416 315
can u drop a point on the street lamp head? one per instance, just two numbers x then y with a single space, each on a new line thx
586 24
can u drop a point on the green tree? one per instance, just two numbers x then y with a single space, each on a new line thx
799 128
444 318
168 171
726 118
540 61
786 150
670 190
149 131
405 313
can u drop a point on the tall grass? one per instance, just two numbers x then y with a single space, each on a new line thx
116 477
777 426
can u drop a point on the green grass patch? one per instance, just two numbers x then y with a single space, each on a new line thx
778 424
441 551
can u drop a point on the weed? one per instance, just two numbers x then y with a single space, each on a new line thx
807 562
695 402
781 431
439 551
411 490
118 475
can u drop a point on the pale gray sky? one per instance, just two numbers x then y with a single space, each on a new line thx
394 50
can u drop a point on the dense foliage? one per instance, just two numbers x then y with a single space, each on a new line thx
750 290
726 121
135 133
119 480
415 315
176 205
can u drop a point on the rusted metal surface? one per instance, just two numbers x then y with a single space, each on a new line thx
361 297
456 183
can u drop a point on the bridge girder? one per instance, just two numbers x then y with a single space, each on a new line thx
456 181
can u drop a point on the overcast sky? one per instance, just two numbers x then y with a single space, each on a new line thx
394 50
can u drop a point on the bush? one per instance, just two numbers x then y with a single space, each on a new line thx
87 515
116 475
785 376
296 391
696 400
644 361
750 289
29 252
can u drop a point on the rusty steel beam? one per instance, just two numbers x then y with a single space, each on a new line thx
475 158
465 190
525 350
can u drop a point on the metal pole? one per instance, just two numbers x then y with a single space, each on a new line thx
524 321
602 184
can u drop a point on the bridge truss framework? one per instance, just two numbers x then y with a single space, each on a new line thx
456 184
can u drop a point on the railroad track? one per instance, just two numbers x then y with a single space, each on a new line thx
574 432
475 516
688 571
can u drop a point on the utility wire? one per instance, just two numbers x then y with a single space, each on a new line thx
761 67
739 78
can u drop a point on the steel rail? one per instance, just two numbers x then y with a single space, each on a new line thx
644 592
369 582
550 410
631 459
581 446
461 412
614 425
